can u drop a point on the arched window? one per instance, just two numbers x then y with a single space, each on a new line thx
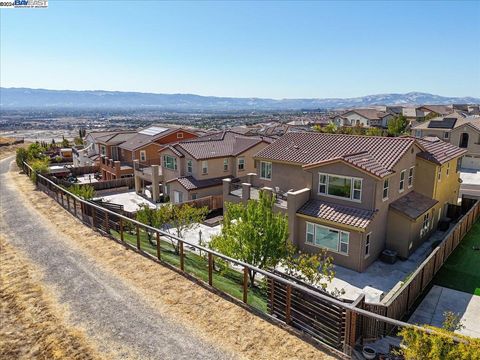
463 140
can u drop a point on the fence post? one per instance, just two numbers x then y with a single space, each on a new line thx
61 196
138 236
245 284
75 207
93 217
68 202
182 262
288 300
272 294
210 269
158 245
120 223
107 227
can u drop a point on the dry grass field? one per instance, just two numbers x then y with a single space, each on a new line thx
33 324
213 318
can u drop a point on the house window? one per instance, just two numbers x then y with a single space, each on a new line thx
189 166
325 237
180 135
402 181
448 168
241 164
446 135
340 186
418 133
143 155
204 167
439 174
367 245
103 149
385 189
410 177
225 164
265 170
425 225
194 196
169 162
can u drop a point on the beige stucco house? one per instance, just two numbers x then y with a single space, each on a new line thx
346 193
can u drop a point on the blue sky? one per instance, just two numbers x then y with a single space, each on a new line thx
245 49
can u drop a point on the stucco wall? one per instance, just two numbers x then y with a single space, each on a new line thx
285 176
473 139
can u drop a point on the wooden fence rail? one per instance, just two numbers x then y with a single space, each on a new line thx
344 319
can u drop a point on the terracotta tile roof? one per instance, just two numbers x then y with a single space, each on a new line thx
370 114
337 213
190 183
375 154
439 151
413 204
441 122
222 144
112 137
439 109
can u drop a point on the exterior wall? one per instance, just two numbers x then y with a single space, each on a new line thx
176 136
440 133
354 117
187 194
285 177
403 234
473 148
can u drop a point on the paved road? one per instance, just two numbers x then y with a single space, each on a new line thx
102 304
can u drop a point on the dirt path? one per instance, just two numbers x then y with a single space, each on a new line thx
206 317
114 316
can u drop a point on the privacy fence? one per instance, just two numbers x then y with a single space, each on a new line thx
334 324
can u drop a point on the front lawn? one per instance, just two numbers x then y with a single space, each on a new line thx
229 280
462 269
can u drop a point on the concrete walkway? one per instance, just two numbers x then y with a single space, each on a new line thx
439 300
111 313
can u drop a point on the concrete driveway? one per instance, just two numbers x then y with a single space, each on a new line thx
441 299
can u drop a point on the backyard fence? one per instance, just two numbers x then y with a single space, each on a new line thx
82 170
403 300
99 185
212 202
332 323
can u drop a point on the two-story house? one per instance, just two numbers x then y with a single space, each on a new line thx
195 168
364 118
120 152
339 191
426 112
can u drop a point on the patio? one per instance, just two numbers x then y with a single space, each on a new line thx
131 201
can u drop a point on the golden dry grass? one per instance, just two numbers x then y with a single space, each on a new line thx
211 317
6 151
33 325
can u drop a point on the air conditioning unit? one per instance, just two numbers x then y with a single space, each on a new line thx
389 256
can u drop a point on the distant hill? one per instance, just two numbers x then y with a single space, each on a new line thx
41 98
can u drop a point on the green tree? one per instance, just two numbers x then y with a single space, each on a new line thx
151 217
253 233
21 157
65 142
86 192
35 151
315 269
374 131
40 166
397 125
331 128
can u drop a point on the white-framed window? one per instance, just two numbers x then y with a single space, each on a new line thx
425 224
143 155
446 135
179 135
328 238
169 162
265 170
189 166
410 177
386 184
340 186
448 169
241 164
204 167
367 245
402 181
225 164
103 150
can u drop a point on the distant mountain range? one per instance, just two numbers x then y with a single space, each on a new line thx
21 98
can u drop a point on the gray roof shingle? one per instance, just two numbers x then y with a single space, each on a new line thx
413 204
190 183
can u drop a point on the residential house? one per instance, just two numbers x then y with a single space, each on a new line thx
458 129
195 168
339 191
364 117
426 112
142 145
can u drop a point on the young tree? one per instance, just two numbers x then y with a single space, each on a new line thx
397 125
86 192
150 217
39 166
65 142
331 128
253 233
182 218
374 131
21 157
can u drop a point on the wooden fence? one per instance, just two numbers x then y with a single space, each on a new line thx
400 304
336 324
82 170
99 185
212 202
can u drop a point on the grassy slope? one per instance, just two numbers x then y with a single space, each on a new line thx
462 269
229 281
